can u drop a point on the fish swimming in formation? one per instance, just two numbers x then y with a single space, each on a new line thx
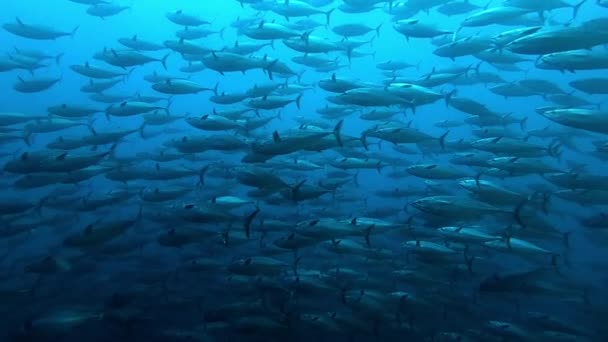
357 170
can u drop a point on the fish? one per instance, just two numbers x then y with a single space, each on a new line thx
36 32
180 17
180 87
304 170
35 85
104 10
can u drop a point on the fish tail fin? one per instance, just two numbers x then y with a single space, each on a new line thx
298 101
74 31
378 30
201 175
477 177
140 130
169 104
299 76
356 178
58 58
442 139
296 262
449 95
363 139
40 204
112 151
555 151
517 213
248 221
27 135
477 67
338 132
523 123
328 14
368 232
126 77
469 261
295 189
546 202
576 8
349 54
164 60
412 105
269 68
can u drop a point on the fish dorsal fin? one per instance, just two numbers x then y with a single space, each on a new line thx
156 191
313 223
24 156
123 104
134 38
19 21
247 261
430 167
333 77
61 156
417 243
353 221
189 206
275 137
64 106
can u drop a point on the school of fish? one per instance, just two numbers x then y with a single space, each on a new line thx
314 178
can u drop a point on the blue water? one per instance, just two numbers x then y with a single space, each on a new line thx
157 314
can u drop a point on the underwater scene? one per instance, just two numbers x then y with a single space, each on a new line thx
304 170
